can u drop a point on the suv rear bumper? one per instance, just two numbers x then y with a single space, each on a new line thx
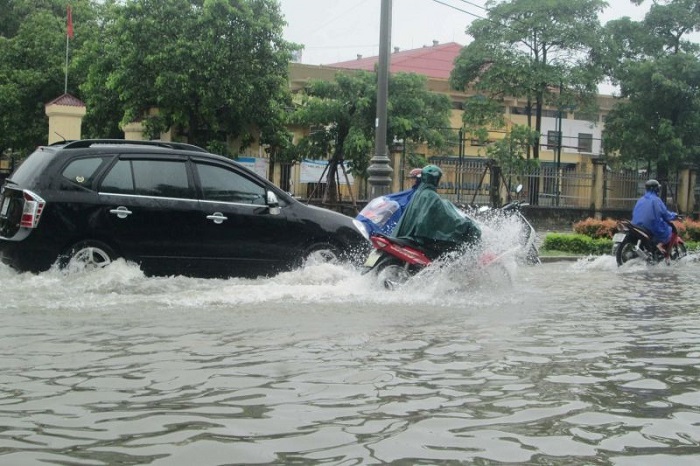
27 255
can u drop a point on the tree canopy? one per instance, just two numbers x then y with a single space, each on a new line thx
341 116
215 69
32 56
656 120
536 50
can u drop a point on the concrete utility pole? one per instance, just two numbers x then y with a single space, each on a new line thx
380 169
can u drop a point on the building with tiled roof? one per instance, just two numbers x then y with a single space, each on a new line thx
435 61
581 133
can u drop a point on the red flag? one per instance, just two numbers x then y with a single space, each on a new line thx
69 28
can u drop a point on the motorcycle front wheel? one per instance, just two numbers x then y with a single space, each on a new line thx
678 251
626 251
392 273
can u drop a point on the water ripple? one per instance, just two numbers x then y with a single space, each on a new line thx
571 363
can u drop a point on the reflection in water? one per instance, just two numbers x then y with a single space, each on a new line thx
570 363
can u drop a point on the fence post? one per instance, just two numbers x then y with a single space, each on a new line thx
598 188
691 190
686 190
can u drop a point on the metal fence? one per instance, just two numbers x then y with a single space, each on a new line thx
562 186
464 181
470 181
558 185
624 187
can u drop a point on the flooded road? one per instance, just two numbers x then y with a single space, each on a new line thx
570 363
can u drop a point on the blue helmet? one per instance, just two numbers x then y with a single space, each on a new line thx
652 185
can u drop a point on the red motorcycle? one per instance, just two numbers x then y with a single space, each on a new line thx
396 260
633 241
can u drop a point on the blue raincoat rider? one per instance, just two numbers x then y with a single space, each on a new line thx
651 213
382 214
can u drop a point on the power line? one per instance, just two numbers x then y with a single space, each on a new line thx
474 4
478 16
460 10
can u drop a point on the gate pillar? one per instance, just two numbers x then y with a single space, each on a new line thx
598 189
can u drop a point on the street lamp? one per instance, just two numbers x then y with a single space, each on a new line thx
379 170
398 149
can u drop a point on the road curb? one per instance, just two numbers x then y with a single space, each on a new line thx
547 259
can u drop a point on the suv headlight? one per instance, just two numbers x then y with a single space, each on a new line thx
361 227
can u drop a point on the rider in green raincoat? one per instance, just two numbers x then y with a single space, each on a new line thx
433 223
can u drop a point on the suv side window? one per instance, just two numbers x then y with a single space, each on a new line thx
223 185
154 178
82 171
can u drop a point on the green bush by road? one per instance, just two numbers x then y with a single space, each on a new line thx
575 243
578 244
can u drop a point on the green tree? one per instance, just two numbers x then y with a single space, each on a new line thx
216 70
511 152
341 115
656 119
32 64
537 50
94 59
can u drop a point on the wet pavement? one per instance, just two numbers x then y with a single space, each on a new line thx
570 362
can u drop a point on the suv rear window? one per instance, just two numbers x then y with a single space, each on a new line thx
32 168
82 171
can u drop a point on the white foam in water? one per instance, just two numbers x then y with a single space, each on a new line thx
609 262
122 283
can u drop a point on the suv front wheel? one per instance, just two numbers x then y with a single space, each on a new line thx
89 254
322 253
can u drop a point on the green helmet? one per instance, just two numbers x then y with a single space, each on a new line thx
431 174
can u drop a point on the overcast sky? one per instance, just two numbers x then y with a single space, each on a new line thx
339 30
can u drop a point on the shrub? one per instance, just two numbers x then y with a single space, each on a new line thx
594 228
576 244
689 229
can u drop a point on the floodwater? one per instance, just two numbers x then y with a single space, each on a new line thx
562 363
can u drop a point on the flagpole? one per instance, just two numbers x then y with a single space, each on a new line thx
69 35
65 85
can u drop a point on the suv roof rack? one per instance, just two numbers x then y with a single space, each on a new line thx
84 143
62 142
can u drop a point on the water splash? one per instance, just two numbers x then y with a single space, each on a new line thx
122 283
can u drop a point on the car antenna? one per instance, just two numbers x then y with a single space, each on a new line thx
60 136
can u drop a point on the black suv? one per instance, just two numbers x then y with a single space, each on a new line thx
172 208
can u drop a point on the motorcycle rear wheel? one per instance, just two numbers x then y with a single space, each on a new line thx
626 251
392 274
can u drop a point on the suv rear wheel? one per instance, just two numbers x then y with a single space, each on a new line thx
89 254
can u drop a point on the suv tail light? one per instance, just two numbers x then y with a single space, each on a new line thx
31 212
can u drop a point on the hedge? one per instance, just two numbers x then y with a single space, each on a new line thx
688 229
579 244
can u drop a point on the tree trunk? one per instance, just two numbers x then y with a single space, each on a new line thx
331 194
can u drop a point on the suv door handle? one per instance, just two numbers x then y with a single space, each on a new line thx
121 212
217 217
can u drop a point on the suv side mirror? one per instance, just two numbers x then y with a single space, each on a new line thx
272 203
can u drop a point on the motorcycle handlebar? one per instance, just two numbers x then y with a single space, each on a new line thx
514 205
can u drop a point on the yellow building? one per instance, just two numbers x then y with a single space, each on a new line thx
581 134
